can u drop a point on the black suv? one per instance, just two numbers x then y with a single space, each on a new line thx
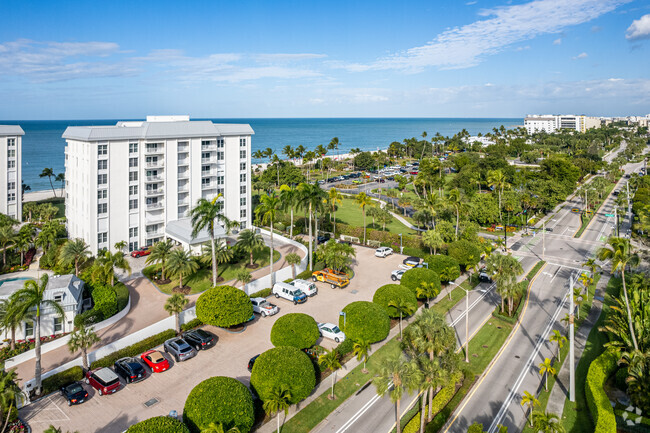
130 369
322 239
200 339
74 393
251 363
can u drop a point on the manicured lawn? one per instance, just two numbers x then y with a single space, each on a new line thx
350 213
486 343
202 279
586 221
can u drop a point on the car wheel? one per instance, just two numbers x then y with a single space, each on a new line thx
337 340
314 279
101 392
295 303
87 381
69 403
277 296
165 349
394 278
176 358
264 314
333 286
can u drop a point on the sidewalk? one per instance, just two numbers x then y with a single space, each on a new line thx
560 390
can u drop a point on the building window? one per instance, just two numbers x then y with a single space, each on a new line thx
11 153
242 154
58 325
133 246
102 164
133 232
242 201
220 143
133 147
102 194
242 166
205 155
11 164
220 180
133 162
11 185
205 181
11 142
242 142
242 225
242 213
102 149
11 196
102 238
133 204
29 328
205 169
133 190
58 297
242 189
220 156
102 208
242 177
102 179
133 176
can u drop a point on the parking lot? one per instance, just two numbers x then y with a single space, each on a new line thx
161 393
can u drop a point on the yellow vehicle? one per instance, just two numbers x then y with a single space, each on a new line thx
333 277
575 210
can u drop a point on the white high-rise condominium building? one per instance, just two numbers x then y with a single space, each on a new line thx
550 123
137 181
11 172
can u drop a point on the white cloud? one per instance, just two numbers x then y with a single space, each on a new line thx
639 29
580 56
287 57
558 41
614 80
471 3
466 46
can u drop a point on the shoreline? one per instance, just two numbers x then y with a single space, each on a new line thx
299 161
43 195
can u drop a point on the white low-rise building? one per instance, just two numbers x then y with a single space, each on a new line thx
11 177
550 123
129 181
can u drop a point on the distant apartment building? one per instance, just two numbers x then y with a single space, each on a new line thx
551 123
11 176
138 181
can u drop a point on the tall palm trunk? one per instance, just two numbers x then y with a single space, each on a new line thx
84 358
364 225
423 407
214 258
397 417
13 337
334 226
52 185
291 227
457 221
37 350
311 255
278 421
76 266
629 313
271 259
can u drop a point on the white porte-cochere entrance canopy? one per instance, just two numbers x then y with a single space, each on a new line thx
181 232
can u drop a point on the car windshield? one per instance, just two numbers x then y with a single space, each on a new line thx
184 349
202 333
336 330
75 388
299 292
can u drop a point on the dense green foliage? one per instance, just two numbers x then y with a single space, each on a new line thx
413 278
285 366
393 293
219 400
105 300
446 267
264 293
56 381
159 424
465 252
224 306
295 329
598 402
134 350
365 321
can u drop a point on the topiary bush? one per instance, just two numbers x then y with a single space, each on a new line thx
465 252
416 276
597 400
394 293
224 306
286 366
365 321
159 424
221 400
105 300
297 330
56 381
446 267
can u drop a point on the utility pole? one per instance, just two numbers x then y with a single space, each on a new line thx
543 239
572 379
615 221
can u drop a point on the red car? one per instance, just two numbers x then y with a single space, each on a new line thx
155 360
144 251
104 380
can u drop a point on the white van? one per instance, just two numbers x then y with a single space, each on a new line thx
307 287
288 292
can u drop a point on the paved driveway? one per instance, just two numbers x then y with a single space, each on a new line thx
168 391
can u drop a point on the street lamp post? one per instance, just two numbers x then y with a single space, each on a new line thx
466 320
342 313
401 249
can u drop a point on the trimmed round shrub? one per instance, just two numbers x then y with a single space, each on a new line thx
465 252
389 293
365 321
159 424
413 278
283 366
221 400
224 306
446 267
297 330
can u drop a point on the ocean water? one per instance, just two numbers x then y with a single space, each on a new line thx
43 145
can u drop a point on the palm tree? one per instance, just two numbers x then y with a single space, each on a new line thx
393 379
108 262
82 339
288 196
427 290
120 245
160 252
361 350
330 360
49 173
243 276
310 196
293 259
32 300
505 268
363 200
23 243
497 180
560 340
455 199
278 401
9 393
11 317
546 368
249 241
546 422
74 252
7 236
181 263
530 400
591 265
621 255
404 308
335 198
175 305
204 215
222 254
433 240
267 212
219 428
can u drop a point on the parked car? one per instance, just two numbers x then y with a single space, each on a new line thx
251 362
307 287
104 380
155 360
483 277
200 339
74 393
383 252
331 331
141 252
332 277
322 238
130 370
288 292
263 307
179 349
411 261
397 275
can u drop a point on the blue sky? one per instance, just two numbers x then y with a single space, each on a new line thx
477 58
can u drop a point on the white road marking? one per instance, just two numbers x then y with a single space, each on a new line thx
360 412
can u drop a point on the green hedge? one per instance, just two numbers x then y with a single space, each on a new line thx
122 296
440 400
413 278
346 347
444 265
105 300
159 424
219 400
601 409
365 321
56 381
295 329
465 252
224 306
194 323
264 293
394 292
135 349
286 366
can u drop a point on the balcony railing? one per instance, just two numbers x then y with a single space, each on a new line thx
154 192
208 185
184 174
156 178
154 150
183 188
211 160
208 147
183 149
154 233
183 161
155 164
184 202
155 206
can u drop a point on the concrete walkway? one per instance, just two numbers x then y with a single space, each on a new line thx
560 390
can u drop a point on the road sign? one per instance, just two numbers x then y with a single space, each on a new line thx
611 215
